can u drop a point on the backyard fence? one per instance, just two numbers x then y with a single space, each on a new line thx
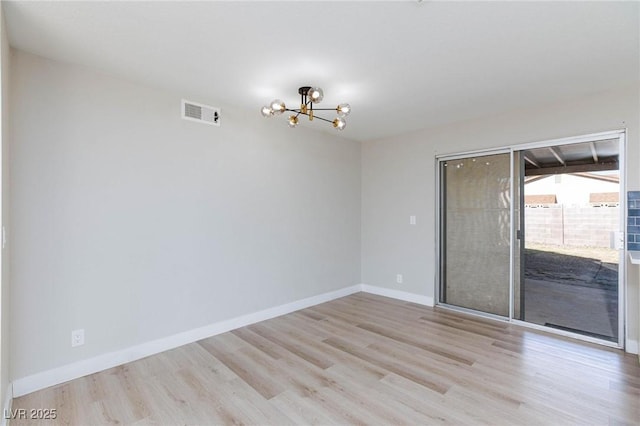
585 226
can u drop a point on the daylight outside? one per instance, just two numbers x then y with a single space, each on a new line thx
571 271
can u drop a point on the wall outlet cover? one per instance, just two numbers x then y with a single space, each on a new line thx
77 338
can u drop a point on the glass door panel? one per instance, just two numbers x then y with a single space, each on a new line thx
476 233
571 204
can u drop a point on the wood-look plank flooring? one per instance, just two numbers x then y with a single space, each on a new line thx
362 359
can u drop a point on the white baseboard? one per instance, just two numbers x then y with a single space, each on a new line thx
6 408
85 367
397 294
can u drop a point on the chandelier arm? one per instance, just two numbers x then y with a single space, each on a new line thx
320 118
298 112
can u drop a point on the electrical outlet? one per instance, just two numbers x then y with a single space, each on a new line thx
77 338
399 278
412 220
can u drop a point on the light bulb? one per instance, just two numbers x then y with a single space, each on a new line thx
266 111
315 95
293 121
339 123
343 110
277 106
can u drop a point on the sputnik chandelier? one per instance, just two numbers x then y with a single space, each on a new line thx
308 97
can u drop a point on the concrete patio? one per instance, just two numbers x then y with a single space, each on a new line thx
572 288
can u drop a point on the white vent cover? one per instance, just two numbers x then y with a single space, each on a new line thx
201 113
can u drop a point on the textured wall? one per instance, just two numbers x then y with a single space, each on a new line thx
572 226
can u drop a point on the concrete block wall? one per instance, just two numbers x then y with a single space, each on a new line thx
590 226
583 226
543 225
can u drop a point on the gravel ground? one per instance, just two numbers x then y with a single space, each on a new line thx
593 267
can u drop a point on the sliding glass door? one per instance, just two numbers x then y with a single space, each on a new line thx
476 233
525 234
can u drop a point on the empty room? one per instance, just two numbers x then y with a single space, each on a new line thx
384 212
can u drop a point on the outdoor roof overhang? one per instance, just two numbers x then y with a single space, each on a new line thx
575 158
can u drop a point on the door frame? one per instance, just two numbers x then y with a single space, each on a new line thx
619 134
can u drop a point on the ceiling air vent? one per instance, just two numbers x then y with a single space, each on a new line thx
201 113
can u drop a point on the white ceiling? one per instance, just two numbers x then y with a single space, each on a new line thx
401 65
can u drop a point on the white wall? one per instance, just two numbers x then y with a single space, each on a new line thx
4 264
134 224
398 180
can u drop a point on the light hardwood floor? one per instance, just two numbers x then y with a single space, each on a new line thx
362 359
